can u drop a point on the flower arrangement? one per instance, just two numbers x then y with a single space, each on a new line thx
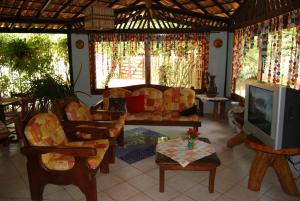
192 134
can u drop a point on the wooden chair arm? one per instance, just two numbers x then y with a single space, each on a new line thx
98 132
98 105
106 124
74 151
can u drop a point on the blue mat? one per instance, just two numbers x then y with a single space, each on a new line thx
139 144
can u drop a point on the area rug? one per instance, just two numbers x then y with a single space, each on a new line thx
139 144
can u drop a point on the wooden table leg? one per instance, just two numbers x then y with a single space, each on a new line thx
236 139
216 110
222 110
262 162
161 179
212 175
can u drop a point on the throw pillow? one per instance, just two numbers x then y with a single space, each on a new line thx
189 111
116 105
135 104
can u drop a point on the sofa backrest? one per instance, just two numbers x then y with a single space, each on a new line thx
178 99
114 93
153 98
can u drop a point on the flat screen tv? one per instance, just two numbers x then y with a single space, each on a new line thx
272 114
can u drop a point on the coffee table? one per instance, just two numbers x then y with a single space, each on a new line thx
208 163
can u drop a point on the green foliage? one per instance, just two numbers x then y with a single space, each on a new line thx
47 89
26 57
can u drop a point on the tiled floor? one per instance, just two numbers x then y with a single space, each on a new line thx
139 181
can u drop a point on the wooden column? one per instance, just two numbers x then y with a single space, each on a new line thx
147 59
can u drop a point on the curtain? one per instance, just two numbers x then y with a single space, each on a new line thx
280 49
179 59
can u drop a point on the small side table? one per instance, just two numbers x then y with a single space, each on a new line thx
267 157
219 105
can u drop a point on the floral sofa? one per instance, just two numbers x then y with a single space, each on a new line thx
161 106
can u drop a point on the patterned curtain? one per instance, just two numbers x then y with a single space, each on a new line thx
179 59
118 57
176 59
277 44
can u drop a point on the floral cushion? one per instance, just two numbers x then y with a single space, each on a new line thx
176 116
114 93
153 98
44 129
152 116
178 99
76 111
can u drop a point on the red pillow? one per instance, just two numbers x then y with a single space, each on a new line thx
135 104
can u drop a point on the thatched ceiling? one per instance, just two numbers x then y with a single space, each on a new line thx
198 15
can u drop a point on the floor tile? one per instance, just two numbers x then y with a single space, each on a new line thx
201 193
180 183
146 164
62 195
105 181
127 172
122 191
154 193
140 197
238 191
142 182
276 193
182 198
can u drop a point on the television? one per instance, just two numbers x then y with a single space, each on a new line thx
272 114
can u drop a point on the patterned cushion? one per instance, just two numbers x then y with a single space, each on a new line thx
178 99
175 116
44 129
76 111
56 161
153 98
114 93
152 116
117 105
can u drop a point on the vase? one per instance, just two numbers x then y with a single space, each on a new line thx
212 90
190 144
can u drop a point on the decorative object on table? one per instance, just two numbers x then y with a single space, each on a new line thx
212 90
218 43
139 144
191 136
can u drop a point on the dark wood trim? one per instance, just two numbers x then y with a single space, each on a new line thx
40 12
70 60
92 63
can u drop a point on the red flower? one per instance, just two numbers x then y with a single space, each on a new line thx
192 133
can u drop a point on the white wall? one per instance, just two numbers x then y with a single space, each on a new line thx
217 65
80 57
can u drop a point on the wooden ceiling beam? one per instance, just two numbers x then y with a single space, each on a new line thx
130 9
200 7
46 4
31 20
21 8
290 7
190 13
221 7
83 8
62 8
111 4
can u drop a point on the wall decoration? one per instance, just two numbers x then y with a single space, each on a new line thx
218 43
79 44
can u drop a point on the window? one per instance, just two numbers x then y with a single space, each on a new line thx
119 64
119 60
249 70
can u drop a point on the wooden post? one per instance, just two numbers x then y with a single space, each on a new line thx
147 59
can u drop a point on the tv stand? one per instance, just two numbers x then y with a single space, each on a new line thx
267 157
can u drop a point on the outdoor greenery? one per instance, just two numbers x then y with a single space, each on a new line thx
28 57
